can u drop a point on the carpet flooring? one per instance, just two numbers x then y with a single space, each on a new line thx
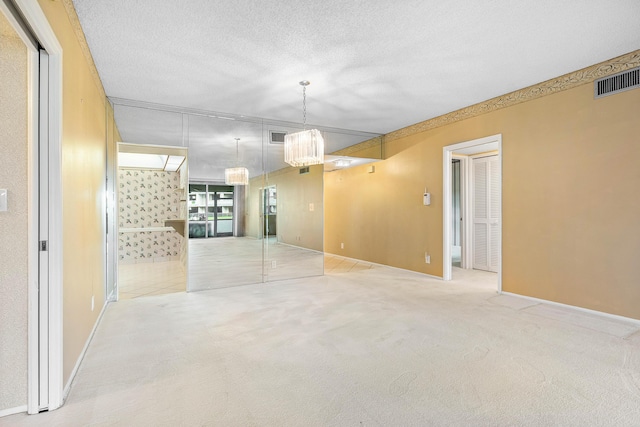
368 346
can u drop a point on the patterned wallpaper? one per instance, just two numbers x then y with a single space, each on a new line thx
14 270
146 199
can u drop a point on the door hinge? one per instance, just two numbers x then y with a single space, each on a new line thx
43 245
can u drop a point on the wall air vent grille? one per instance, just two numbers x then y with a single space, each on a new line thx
620 82
276 137
304 170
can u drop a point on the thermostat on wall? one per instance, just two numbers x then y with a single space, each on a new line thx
426 198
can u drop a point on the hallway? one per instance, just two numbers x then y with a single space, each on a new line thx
364 345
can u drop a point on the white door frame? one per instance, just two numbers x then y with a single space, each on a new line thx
465 230
49 314
111 214
447 156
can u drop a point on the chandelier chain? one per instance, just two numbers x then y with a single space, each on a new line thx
304 107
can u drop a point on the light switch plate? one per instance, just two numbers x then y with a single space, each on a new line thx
3 200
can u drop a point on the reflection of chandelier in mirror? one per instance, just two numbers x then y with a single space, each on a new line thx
236 176
342 163
306 147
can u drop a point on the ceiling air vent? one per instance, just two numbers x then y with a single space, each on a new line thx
620 82
276 137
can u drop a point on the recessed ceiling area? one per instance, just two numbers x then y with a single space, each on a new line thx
374 66
145 161
151 157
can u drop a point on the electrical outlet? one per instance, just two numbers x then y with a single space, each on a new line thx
273 263
427 258
341 245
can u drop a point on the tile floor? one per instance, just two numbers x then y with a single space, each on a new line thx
153 278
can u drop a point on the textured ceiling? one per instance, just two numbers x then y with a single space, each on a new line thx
375 66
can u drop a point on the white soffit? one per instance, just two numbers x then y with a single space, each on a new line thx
142 161
148 161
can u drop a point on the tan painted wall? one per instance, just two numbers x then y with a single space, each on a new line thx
83 174
252 207
13 222
570 216
296 224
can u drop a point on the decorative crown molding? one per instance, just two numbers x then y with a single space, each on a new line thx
77 29
549 87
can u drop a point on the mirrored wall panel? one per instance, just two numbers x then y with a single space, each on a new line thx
251 217
225 155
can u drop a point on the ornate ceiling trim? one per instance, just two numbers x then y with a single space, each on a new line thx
549 87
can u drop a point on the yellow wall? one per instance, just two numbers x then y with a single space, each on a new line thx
14 222
296 225
570 216
84 151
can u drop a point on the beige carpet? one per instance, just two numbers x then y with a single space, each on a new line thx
369 347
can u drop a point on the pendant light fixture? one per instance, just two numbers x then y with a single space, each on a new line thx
306 147
236 176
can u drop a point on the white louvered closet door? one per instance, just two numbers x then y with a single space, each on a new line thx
486 213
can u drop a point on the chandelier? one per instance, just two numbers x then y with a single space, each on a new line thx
306 147
236 176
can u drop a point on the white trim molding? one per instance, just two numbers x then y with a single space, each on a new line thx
631 320
45 35
13 411
418 273
447 156
72 377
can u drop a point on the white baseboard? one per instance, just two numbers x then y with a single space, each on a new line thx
574 307
67 388
387 266
300 247
13 411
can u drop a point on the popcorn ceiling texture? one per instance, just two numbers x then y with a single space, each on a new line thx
13 223
377 68
147 199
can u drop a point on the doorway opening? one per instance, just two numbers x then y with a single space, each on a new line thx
456 211
269 212
211 210
151 224
472 207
